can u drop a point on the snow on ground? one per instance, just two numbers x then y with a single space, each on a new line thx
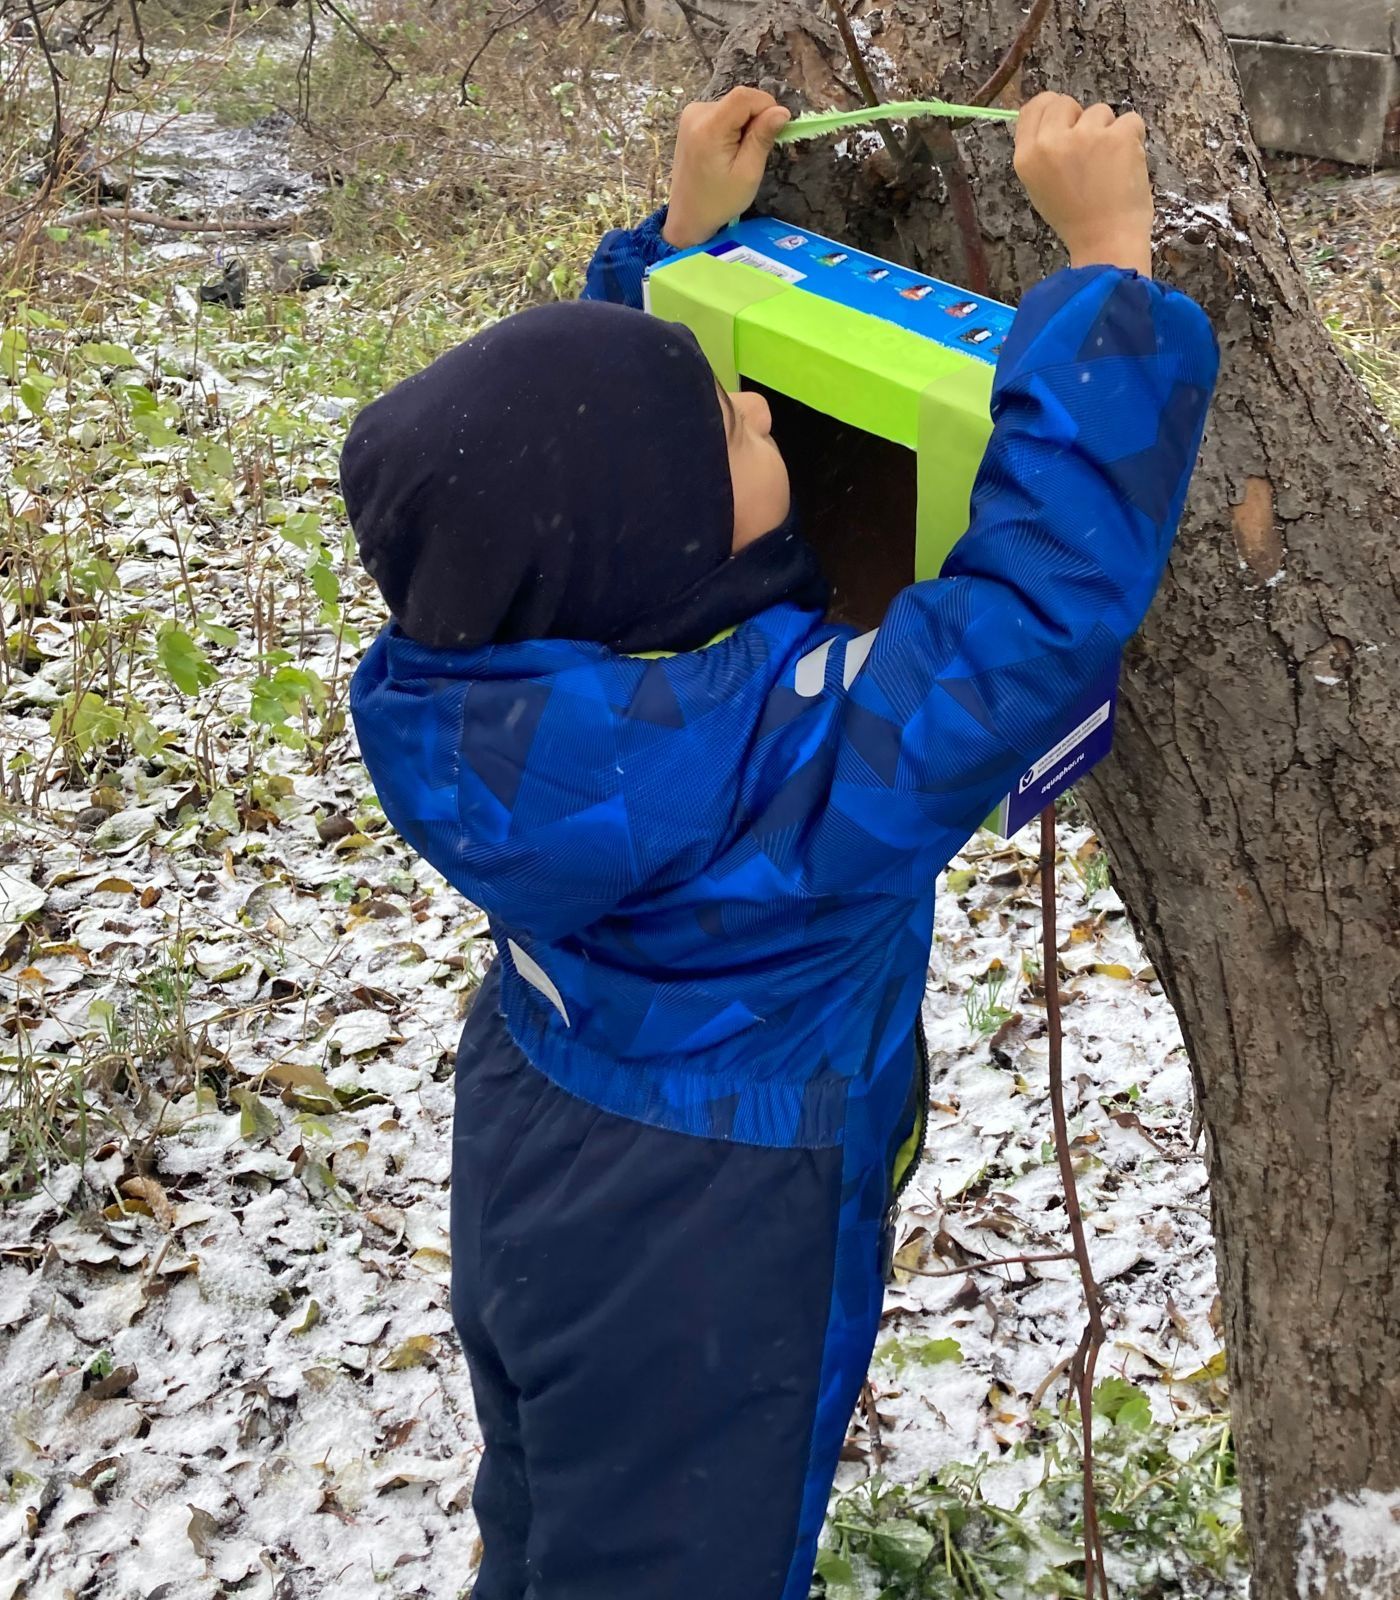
1354 1540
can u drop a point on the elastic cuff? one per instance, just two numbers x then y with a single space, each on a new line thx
651 246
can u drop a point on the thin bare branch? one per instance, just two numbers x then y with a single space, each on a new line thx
143 66
1091 1341
862 75
393 74
689 13
493 33
988 1265
1013 58
152 219
51 176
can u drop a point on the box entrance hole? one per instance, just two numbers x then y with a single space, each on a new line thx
857 496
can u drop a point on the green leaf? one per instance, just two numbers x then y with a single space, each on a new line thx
925 1352
153 428
961 881
99 354
816 123
216 633
14 345
35 390
838 1575
182 660
223 812
310 1316
257 1121
90 722
301 529
417 1349
324 582
932 1351
278 697
1123 1403
901 1547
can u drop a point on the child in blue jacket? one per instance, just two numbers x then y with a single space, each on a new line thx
705 824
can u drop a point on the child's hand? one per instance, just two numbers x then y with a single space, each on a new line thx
721 151
1086 174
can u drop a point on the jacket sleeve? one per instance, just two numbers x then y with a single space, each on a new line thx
620 262
1099 405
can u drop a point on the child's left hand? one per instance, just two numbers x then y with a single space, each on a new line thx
721 150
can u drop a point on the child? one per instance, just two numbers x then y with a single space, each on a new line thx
705 824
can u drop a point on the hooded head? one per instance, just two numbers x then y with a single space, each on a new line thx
565 474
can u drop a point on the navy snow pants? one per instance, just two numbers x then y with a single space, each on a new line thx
666 1337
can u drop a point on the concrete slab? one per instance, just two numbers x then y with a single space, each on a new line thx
1332 24
1329 103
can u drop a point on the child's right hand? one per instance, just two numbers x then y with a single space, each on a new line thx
721 152
1086 174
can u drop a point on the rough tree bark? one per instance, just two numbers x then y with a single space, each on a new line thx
1253 808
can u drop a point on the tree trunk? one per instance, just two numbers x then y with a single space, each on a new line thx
1253 806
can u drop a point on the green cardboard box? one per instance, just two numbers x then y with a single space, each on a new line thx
880 380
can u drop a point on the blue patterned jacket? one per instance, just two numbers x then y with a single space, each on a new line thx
711 876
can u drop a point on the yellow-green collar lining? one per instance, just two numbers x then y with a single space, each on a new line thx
666 655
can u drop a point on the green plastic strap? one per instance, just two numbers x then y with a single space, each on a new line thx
854 367
707 296
816 123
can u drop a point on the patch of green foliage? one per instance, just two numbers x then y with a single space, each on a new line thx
1168 1505
982 1003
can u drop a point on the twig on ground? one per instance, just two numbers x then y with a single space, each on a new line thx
872 1421
152 219
863 78
988 1265
1083 1362
1057 1371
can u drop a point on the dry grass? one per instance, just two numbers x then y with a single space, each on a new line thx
498 183
1346 231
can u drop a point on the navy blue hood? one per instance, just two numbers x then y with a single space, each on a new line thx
562 475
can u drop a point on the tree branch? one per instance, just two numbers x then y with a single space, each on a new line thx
1013 58
55 81
392 73
862 75
1092 1339
143 65
689 13
492 34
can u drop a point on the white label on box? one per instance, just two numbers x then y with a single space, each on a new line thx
1061 750
752 258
